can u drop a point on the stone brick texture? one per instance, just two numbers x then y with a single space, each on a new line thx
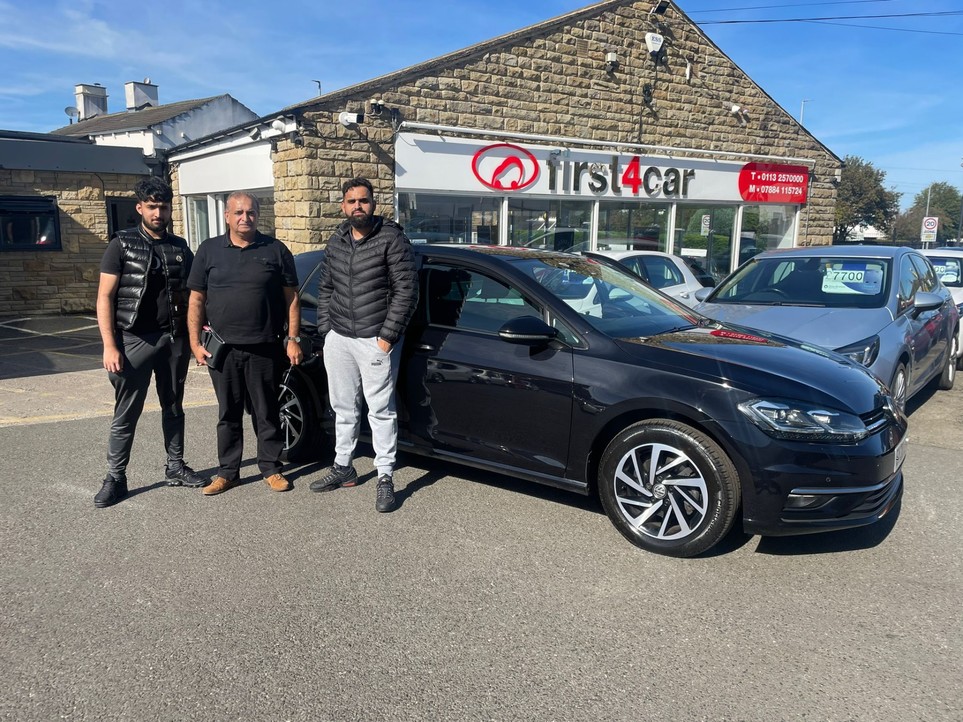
551 80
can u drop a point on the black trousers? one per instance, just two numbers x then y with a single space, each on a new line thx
153 355
251 373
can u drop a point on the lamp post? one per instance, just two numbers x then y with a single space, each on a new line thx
959 227
802 109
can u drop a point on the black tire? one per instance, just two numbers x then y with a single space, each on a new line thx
299 424
948 377
680 519
898 386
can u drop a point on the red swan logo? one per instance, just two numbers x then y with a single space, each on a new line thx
505 167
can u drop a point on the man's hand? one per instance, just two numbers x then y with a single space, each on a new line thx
295 355
201 354
113 360
384 345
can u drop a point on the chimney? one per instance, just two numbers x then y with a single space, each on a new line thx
140 95
91 100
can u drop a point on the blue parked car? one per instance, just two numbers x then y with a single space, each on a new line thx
883 307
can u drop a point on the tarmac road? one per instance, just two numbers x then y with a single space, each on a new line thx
481 598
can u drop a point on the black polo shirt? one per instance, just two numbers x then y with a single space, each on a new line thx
244 287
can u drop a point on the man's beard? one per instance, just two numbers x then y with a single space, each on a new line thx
361 222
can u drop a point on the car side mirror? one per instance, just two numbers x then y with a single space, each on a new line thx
527 330
926 301
702 294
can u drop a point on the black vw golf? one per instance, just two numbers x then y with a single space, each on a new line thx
567 371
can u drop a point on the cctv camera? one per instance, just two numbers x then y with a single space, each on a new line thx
348 119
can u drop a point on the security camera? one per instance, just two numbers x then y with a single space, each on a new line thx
348 119
377 105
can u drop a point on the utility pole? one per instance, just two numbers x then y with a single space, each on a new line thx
802 109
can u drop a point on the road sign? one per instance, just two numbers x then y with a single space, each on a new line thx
706 221
928 232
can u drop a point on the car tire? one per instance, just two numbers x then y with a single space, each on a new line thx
948 377
898 385
684 507
299 424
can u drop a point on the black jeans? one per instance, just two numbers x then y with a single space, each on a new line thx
252 373
165 359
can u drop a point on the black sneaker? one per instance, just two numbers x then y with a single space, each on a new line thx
111 492
386 494
335 477
185 476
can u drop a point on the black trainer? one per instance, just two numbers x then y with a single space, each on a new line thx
335 477
111 492
385 500
185 476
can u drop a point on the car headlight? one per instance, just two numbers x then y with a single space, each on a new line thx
862 352
785 419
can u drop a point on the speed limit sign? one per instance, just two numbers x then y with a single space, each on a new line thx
930 224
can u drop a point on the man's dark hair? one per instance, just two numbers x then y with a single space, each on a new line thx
357 183
153 189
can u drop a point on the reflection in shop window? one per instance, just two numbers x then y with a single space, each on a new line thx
29 223
436 218
549 224
633 226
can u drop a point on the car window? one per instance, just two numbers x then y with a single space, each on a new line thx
309 289
949 269
909 283
469 300
809 281
660 272
928 279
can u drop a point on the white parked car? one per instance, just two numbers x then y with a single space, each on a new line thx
948 264
662 271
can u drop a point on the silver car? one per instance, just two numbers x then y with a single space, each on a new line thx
883 307
663 271
948 263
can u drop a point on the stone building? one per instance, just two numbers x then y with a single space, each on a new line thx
60 198
581 131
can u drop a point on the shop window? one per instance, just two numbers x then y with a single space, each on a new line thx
29 223
765 227
435 218
628 226
549 224
121 213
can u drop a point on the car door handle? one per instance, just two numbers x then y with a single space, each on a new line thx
426 347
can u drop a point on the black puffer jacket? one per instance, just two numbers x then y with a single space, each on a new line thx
369 287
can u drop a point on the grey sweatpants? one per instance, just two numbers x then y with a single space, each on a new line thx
357 366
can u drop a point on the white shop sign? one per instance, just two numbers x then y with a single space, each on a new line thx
461 165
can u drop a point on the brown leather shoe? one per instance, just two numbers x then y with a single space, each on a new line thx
277 482
219 485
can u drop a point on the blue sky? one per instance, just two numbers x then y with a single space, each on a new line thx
887 90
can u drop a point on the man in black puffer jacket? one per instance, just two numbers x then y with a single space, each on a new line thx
142 315
367 295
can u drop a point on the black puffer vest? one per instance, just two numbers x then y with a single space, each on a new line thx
175 257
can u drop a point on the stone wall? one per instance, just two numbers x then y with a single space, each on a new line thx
551 80
64 281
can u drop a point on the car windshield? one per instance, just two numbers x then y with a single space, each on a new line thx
832 282
949 269
612 300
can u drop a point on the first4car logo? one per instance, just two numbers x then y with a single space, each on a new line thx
505 167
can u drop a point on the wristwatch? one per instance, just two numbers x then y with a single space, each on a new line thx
296 339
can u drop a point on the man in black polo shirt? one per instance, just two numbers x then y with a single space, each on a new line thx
142 315
244 286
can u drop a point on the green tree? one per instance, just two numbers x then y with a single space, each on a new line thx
944 203
861 199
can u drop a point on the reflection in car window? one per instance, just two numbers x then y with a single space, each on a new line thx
470 300
909 283
660 272
928 280
949 269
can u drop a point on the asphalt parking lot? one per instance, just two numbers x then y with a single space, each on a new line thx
481 598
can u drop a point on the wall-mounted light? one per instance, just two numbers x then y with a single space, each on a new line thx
647 94
296 138
611 62
740 114
660 7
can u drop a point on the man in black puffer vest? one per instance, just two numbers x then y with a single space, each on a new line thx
366 297
142 314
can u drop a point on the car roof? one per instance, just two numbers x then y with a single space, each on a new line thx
947 252
626 254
